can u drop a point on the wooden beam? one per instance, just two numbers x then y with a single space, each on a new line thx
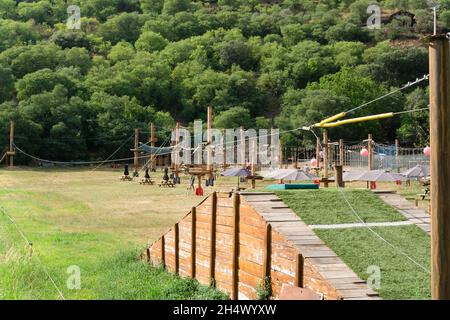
235 248
176 246
11 144
318 158
136 152
209 166
439 53
212 235
341 152
163 251
397 154
299 265
338 173
193 241
370 149
267 253
325 157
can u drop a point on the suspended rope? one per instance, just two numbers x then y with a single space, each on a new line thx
379 236
75 162
30 245
333 121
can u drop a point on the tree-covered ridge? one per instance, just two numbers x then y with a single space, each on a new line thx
76 94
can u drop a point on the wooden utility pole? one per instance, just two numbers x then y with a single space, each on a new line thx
177 150
370 149
209 166
136 153
397 154
253 163
152 141
12 150
318 152
341 152
338 173
244 164
280 154
325 157
440 166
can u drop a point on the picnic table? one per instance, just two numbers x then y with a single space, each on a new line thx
126 178
166 184
147 181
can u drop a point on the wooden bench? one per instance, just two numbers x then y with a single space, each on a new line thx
166 184
147 181
126 178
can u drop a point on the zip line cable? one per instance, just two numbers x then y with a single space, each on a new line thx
406 86
117 150
30 244
379 236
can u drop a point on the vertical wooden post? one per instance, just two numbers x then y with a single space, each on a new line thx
177 150
338 170
253 163
209 166
370 149
267 253
163 251
244 164
341 152
212 252
318 152
397 154
440 166
325 157
152 143
193 241
176 247
136 153
235 249
11 144
299 265
280 154
148 255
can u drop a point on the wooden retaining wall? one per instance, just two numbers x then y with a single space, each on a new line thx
235 241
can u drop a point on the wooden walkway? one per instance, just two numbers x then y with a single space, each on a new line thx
407 209
324 260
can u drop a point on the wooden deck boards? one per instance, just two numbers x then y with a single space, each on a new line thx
301 237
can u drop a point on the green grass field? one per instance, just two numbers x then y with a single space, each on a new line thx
93 221
360 248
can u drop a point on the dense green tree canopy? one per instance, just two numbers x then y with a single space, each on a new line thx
260 63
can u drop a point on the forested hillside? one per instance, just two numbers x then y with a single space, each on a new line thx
77 94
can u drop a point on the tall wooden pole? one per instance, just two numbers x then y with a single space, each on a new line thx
370 149
177 150
341 152
152 143
11 144
325 157
280 154
253 163
209 166
136 153
318 152
397 154
440 166
242 147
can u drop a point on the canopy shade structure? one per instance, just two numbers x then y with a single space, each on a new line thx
290 174
353 175
419 171
154 150
381 176
236 172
